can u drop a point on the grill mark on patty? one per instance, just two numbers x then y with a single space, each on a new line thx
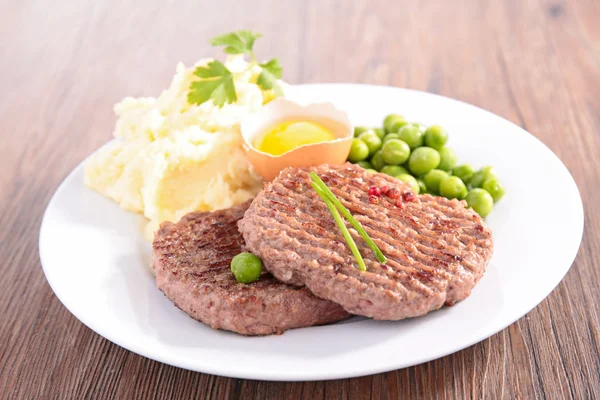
304 244
311 241
412 233
447 207
409 210
423 257
403 273
303 236
435 247
356 206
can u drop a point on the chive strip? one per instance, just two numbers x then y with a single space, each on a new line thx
340 223
346 213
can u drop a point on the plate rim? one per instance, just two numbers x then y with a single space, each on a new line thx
307 376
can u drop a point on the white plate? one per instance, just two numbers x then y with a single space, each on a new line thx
97 261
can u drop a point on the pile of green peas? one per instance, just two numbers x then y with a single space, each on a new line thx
417 154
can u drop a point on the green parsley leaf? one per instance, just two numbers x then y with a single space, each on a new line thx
216 85
238 42
213 69
271 71
274 67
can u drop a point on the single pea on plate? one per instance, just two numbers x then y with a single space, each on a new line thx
246 267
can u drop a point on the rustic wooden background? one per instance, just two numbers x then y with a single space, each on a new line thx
63 64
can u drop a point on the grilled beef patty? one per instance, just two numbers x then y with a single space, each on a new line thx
192 264
437 249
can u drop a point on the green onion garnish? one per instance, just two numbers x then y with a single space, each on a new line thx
340 223
324 192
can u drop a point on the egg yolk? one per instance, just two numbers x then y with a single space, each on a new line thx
290 135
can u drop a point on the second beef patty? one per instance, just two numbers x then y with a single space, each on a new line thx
192 264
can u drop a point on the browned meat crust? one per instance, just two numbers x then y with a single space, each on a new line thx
437 249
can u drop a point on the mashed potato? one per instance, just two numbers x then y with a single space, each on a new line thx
171 157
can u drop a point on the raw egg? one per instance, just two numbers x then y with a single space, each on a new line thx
285 134
290 135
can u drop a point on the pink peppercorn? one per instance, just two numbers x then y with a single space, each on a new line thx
408 196
374 191
393 193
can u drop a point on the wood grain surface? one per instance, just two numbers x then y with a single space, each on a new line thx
63 64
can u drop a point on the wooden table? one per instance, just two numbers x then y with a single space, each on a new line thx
64 64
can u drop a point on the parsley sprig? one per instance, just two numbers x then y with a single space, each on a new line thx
217 83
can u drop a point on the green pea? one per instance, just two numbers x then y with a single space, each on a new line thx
246 267
422 160
394 170
411 135
422 127
453 187
397 125
358 151
480 201
389 120
372 171
371 140
436 137
495 188
414 185
380 132
391 136
365 164
447 159
395 152
433 179
359 129
484 174
464 172
377 160
422 186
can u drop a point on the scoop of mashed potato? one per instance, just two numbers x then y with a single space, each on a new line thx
171 158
